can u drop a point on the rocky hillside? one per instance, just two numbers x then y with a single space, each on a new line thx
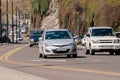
51 19
76 15
80 14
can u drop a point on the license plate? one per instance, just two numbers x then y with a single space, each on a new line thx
106 46
61 49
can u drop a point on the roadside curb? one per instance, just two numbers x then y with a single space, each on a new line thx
9 74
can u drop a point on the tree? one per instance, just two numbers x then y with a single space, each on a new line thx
38 9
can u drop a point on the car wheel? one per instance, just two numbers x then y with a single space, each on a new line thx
111 52
74 55
69 56
44 56
117 52
40 55
30 45
92 52
87 51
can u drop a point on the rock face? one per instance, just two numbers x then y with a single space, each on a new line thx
50 21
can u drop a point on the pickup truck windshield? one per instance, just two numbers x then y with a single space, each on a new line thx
102 32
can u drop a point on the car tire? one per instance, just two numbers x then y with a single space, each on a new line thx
30 45
74 55
44 56
69 56
87 51
92 52
117 52
40 55
111 52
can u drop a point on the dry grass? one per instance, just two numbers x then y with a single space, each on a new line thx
23 5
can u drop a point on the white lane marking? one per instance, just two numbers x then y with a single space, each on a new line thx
77 59
118 58
52 60
96 60
37 60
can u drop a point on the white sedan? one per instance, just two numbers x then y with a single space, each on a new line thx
57 42
83 40
18 38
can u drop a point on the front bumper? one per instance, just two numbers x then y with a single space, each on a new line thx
105 46
68 50
33 43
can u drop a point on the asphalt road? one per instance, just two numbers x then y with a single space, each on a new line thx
21 57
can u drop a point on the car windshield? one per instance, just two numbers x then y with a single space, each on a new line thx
36 34
57 35
17 36
102 32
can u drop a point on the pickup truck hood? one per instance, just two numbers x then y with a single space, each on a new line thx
104 38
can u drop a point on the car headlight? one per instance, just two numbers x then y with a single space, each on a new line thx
47 44
95 41
72 44
31 39
117 41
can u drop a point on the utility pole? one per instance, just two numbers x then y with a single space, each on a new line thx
19 22
3 17
16 25
12 25
79 24
0 24
7 17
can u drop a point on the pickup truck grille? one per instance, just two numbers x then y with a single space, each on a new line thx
106 41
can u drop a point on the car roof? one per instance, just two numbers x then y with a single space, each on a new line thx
99 27
36 31
56 29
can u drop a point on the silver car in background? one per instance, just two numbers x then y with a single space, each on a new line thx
57 42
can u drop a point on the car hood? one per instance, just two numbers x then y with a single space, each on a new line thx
59 42
34 37
104 38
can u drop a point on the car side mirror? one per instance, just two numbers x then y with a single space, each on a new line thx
40 39
74 38
88 35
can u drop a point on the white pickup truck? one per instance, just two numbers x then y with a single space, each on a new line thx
101 39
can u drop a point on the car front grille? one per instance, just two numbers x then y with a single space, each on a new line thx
59 45
55 51
106 41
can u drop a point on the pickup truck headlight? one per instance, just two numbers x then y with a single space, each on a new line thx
95 41
47 44
117 41
32 40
